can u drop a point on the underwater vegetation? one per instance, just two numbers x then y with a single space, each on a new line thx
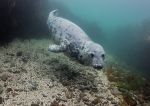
38 77
33 76
135 88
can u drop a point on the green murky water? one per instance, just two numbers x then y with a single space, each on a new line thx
121 26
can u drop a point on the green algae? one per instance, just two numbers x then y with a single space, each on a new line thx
134 87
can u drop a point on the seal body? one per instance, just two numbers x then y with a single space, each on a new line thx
70 38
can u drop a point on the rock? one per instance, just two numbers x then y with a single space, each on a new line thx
85 99
65 83
23 70
19 53
96 101
32 85
26 57
54 103
14 94
1 100
141 98
15 71
44 95
60 77
130 101
109 98
1 89
12 64
18 90
68 94
4 76
10 54
114 102
5 84
9 90
81 95
34 104
50 84
61 99
115 91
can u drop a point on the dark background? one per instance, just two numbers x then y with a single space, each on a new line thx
27 19
23 18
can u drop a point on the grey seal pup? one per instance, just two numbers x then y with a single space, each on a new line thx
71 39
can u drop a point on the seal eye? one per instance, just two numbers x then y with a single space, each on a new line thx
92 55
103 56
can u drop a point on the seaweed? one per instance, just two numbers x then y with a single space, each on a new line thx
134 88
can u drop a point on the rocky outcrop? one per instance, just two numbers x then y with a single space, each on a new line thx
30 75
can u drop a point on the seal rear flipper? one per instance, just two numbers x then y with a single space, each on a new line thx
54 12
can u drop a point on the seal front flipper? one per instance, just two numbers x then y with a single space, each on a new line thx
57 48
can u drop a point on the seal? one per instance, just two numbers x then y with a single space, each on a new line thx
71 39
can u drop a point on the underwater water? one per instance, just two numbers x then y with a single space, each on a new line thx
30 75
121 26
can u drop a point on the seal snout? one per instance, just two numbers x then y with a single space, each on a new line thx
97 66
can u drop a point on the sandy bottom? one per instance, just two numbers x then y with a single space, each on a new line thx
32 76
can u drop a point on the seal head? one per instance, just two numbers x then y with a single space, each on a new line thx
96 54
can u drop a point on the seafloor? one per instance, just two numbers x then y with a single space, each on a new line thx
32 76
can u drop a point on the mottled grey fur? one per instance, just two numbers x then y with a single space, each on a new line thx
71 39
